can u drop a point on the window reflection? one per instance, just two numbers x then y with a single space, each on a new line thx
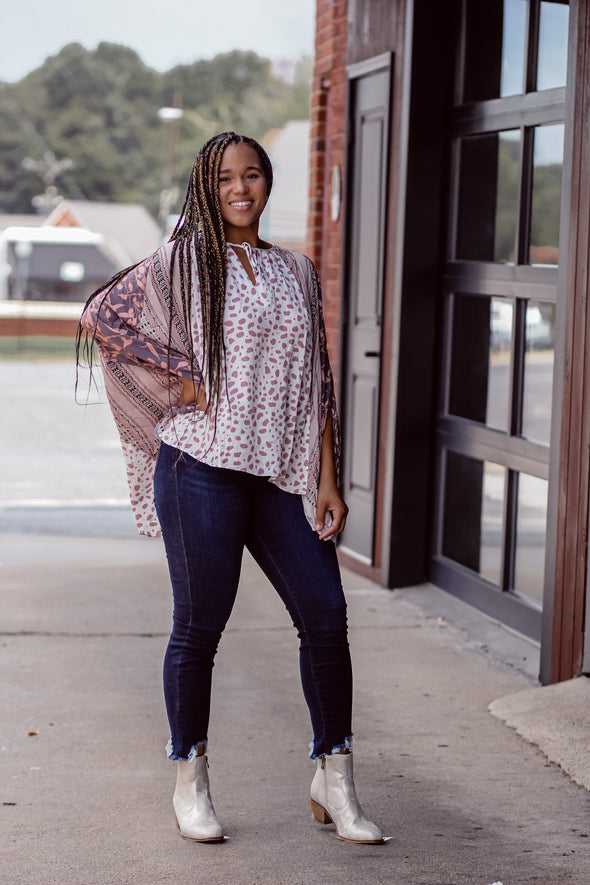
488 196
538 371
474 514
495 39
553 32
546 202
513 44
480 363
531 528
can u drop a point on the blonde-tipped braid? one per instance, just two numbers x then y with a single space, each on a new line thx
200 226
201 223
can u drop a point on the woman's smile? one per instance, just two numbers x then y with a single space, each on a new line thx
242 192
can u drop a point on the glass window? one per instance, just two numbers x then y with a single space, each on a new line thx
546 200
480 362
495 40
488 196
538 371
474 514
531 529
552 58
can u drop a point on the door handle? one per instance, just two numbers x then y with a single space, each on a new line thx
372 353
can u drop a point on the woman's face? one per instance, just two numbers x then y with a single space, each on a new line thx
242 188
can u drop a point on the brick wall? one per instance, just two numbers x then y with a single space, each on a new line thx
328 127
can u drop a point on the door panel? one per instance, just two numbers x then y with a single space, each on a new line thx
363 398
367 162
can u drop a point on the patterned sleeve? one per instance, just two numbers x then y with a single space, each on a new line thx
126 332
328 403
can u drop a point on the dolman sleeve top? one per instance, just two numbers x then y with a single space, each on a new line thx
263 421
277 389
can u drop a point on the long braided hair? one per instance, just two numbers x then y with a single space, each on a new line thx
201 223
200 226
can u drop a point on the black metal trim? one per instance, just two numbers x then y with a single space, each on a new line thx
525 197
532 46
509 534
515 611
479 441
518 367
511 112
510 281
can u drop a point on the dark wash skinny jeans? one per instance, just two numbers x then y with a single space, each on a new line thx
208 515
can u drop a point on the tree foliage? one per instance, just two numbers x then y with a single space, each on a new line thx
100 109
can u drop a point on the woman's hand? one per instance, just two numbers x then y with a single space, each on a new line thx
192 393
330 506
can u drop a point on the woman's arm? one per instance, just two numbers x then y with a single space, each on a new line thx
192 393
113 319
330 503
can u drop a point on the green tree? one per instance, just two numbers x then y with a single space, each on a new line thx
100 109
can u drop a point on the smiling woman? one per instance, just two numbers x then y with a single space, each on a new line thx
215 362
243 194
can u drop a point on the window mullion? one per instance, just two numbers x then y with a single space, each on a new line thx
509 537
532 47
523 227
517 373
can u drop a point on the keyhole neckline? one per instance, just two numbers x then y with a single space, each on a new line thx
247 247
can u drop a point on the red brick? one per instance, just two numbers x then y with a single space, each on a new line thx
324 35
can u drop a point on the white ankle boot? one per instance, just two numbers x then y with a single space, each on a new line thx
333 800
193 807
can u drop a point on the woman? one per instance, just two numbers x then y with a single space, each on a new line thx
216 369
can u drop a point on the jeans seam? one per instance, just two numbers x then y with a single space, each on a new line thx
293 597
187 579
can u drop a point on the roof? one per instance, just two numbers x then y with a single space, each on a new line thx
20 221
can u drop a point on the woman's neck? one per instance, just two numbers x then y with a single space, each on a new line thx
242 235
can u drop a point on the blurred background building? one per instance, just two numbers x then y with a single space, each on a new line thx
285 217
60 256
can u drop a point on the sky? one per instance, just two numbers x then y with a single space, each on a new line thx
163 32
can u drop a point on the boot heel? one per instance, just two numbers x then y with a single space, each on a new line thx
320 814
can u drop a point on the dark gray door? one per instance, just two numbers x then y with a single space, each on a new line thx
367 162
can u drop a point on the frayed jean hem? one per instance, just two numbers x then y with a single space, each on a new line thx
346 745
193 753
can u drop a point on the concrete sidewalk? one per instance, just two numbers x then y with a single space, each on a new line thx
86 787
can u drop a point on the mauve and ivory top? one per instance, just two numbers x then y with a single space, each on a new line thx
262 423
278 389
